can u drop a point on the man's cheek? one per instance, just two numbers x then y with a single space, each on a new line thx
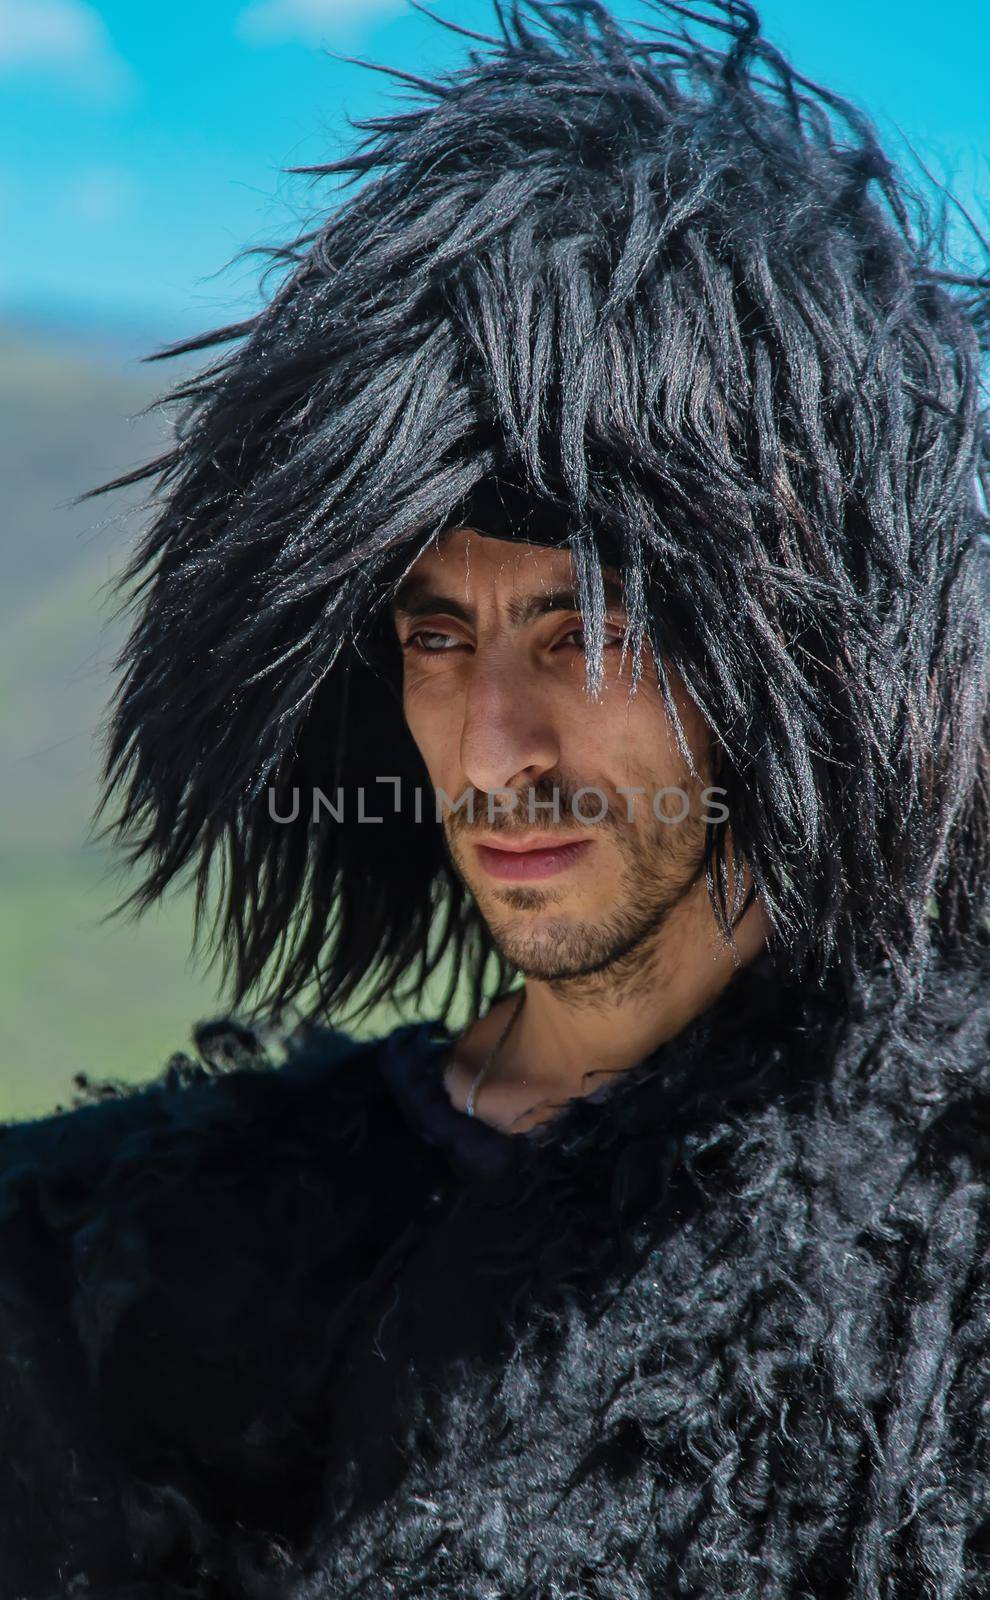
426 729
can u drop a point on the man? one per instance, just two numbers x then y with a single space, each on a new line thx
573 586
606 912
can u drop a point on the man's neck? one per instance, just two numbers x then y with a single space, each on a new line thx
572 1037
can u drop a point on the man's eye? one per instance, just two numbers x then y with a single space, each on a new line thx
576 638
430 642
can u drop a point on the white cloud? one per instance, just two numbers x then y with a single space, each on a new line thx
67 37
307 21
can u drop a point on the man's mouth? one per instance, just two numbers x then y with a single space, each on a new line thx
522 860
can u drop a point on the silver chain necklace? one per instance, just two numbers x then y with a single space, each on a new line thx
492 1055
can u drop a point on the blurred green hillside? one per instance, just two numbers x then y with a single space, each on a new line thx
75 995
78 994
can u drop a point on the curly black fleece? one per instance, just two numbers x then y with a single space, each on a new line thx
722 1335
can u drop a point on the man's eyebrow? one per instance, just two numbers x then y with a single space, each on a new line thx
418 597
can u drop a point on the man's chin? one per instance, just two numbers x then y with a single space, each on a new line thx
551 948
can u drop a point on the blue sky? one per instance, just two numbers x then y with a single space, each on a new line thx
142 143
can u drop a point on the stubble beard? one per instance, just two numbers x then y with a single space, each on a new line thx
583 958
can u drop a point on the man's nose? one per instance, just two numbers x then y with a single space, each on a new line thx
509 736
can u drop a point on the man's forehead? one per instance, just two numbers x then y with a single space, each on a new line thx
470 558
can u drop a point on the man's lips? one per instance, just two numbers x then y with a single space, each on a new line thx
520 860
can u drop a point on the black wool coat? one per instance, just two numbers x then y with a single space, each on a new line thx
722 1334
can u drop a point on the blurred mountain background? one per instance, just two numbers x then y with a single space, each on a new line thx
76 993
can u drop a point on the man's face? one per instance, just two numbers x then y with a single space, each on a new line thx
495 698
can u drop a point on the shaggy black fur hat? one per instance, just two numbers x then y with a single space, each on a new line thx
653 295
